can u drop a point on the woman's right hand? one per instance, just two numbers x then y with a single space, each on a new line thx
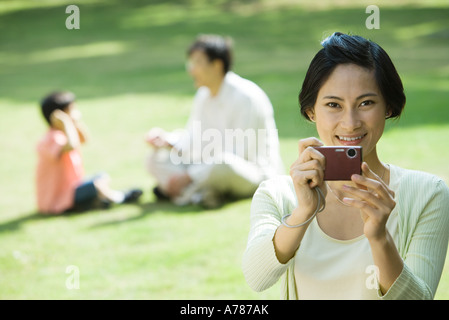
307 172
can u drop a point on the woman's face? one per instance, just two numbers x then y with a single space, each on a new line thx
350 109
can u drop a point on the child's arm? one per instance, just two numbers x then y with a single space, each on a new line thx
62 121
79 125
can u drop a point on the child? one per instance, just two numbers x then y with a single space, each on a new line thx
59 176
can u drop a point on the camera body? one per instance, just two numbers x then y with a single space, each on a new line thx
341 161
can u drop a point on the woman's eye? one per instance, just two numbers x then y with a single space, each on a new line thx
367 103
333 105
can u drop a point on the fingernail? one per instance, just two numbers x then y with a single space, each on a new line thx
345 199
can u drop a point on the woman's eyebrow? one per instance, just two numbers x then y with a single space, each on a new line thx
333 98
358 98
367 95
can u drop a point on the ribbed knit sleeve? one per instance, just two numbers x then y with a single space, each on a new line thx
424 230
260 265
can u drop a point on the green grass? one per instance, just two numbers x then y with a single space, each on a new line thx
126 64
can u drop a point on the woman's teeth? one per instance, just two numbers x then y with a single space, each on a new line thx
350 139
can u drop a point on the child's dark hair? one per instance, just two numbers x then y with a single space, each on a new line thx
341 48
215 47
56 100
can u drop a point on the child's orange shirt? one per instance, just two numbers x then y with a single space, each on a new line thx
58 173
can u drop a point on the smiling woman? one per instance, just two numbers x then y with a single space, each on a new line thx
391 220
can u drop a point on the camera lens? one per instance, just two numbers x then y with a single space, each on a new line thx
351 153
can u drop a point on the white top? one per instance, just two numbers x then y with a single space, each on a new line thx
326 268
239 105
340 269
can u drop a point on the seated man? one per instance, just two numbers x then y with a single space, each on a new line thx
230 143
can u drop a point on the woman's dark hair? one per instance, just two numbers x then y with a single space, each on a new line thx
341 48
215 47
56 100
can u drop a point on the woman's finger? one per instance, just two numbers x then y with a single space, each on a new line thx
374 186
308 142
372 175
370 198
359 204
310 173
311 153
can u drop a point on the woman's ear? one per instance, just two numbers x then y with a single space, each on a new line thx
311 114
388 114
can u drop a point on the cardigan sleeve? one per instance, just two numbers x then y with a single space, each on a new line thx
425 247
260 265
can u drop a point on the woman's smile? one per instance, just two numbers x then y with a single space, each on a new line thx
351 140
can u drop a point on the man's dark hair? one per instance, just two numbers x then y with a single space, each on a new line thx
341 48
215 47
56 100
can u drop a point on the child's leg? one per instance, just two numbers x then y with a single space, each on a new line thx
85 195
101 184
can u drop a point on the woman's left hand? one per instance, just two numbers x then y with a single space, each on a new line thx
374 199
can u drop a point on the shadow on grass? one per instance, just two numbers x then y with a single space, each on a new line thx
15 224
165 207
148 208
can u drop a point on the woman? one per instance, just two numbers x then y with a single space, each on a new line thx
384 234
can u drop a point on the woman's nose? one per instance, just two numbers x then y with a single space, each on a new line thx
350 120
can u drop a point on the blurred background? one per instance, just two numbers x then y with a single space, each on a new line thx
126 64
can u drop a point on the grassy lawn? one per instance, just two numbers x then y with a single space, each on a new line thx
127 66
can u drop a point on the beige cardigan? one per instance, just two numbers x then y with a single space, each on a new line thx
422 208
